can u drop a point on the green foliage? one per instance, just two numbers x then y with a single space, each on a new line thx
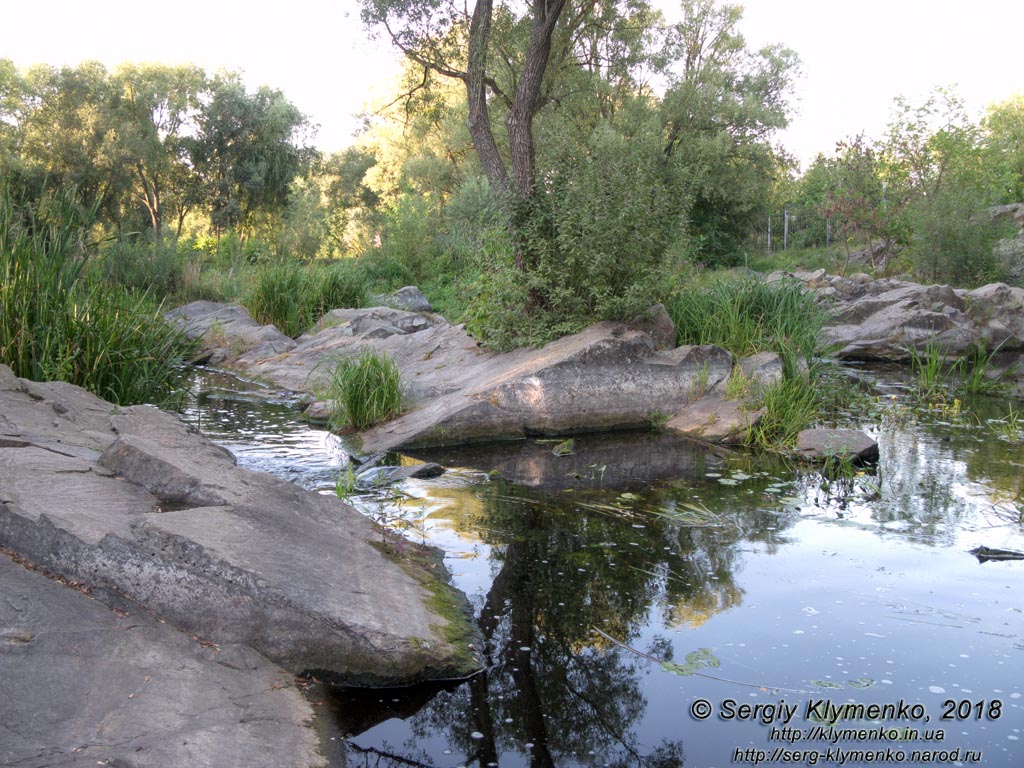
293 297
746 315
941 379
366 390
148 144
155 267
954 237
791 405
57 324
345 483
590 246
409 234
246 147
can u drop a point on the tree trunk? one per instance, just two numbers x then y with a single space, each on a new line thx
527 102
476 91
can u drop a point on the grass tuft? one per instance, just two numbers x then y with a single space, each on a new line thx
366 390
746 315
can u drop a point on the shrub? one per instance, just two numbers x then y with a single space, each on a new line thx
954 239
590 244
366 390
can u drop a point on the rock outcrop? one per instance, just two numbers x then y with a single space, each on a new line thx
888 319
143 508
845 444
610 376
90 686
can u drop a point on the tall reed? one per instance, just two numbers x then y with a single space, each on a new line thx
56 324
747 315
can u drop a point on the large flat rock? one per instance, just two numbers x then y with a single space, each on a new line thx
85 686
141 507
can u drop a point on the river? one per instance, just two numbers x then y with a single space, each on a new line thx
649 601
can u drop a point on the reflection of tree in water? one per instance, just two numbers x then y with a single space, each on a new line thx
550 681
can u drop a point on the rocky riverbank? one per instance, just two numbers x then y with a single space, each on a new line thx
610 376
259 579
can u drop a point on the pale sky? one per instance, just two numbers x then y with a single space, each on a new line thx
856 56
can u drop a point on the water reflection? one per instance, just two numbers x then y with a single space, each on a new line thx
860 589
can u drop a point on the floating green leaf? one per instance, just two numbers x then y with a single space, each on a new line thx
861 682
564 448
697 660
826 684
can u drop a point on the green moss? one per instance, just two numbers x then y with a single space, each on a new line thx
425 565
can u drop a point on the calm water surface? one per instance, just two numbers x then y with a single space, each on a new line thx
641 581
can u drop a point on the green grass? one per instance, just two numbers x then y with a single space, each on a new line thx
366 390
58 323
791 405
940 379
293 296
746 316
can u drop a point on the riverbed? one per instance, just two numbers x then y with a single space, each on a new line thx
651 601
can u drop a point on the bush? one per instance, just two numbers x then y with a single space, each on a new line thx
590 244
366 390
953 239
56 324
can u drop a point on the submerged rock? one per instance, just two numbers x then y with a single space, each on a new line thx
848 444
138 505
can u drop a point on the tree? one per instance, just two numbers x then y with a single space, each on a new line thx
431 33
1004 144
722 106
67 134
248 150
155 108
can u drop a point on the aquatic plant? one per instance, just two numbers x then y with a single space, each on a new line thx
940 379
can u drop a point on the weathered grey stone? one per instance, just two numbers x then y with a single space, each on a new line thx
154 512
715 419
658 324
228 331
820 444
89 687
410 298
889 319
609 376
762 370
604 378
